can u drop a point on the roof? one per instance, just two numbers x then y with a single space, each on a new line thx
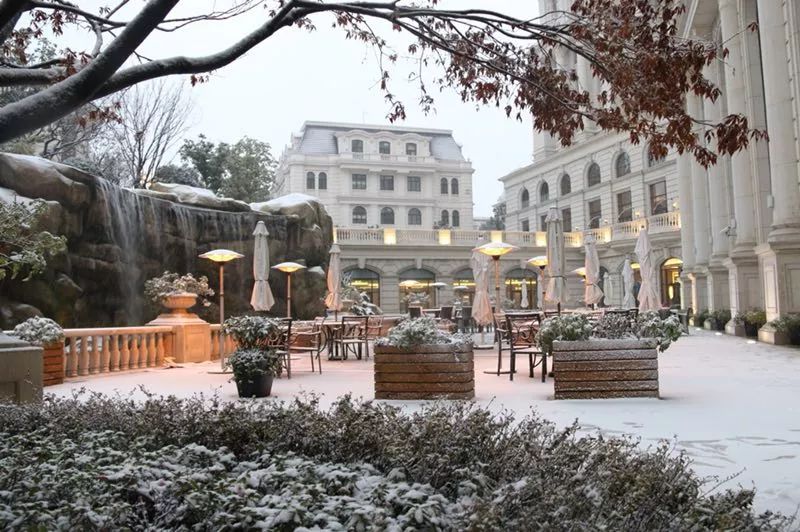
319 138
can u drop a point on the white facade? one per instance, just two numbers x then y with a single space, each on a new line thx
380 176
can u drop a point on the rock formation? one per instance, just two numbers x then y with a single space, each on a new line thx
119 238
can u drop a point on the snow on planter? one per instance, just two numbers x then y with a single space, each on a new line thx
441 371
597 369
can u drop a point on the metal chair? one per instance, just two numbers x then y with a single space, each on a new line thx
414 312
353 336
309 341
374 327
446 313
522 330
279 340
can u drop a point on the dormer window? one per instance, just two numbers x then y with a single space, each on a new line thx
357 146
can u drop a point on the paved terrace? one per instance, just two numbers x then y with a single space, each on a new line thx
730 403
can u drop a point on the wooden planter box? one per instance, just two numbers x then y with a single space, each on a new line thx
53 364
424 372
599 369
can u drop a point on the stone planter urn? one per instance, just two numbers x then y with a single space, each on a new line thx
424 372
190 340
53 363
180 303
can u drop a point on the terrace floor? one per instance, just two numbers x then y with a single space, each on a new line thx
733 405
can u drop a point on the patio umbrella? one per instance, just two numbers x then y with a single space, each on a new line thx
592 293
333 301
524 302
481 305
556 284
648 295
262 299
629 301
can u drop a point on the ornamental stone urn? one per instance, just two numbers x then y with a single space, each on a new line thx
191 336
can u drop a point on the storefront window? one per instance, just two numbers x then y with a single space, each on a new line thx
420 293
519 282
671 282
366 281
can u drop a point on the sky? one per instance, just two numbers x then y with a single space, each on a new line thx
297 76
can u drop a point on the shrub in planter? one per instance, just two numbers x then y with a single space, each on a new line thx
569 327
48 334
700 318
250 332
719 318
254 371
158 289
789 325
663 330
613 326
752 321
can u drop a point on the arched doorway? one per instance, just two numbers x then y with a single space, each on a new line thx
464 286
671 282
420 291
365 281
520 280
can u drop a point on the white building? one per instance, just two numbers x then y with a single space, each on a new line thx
380 176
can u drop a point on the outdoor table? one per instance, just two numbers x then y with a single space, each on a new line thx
330 329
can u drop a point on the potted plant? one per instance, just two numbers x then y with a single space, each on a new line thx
753 321
417 360
178 293
49 335
254 371
789 327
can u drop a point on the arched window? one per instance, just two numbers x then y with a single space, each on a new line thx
445 220
387 216
622 165
366 282
524 199
456 219
653 160
414 216
322 181
357 146
544 192
384 147
411 148
359 215
593 175
454 186
443 186
310 180
566 184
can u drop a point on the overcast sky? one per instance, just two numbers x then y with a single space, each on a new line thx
297 76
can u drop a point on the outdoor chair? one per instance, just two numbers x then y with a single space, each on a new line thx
278 340
501 338
309 340
431 312
352 336
522 330
414 312
446 313
374 327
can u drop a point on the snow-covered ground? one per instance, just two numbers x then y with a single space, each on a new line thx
733 405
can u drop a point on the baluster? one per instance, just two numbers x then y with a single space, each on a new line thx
135 353
105 354
125 359
72 357
159 349
94 356
151 350
83 361
114 363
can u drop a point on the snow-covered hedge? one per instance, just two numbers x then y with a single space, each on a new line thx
420 331
95 462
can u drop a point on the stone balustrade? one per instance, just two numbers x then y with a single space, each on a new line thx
111 349
228 344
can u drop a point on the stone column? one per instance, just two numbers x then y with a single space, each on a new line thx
701 221
586 82
780 258
742 262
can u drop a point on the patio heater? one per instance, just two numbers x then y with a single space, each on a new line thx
582 272
541 262
288 268
221 256
495 250
438 285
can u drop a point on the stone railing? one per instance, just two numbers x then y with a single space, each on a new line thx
228 344
663 223
385 157
111 349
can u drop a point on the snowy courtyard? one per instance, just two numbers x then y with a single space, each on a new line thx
730 403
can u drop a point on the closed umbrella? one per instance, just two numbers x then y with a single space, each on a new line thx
592 293
524 302
333 301
262 299
648 294
629 300
556 284
481 305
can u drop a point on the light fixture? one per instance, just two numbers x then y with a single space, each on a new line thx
288 268
635 265
540 262
221 256
496 250
580 271
438 285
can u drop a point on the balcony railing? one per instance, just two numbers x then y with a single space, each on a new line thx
385 157
661 223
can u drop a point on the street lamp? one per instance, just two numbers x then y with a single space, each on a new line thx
221 256
496 250
540 262
288 268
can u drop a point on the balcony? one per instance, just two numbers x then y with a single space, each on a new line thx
661 223
387 158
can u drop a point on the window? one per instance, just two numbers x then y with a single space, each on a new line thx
443 186
543 222
456 219
359 215
384 147
593 175
653 160
595 213
622 165
624 207
566 184
414 217
544 192
454 186
310 181
387 182
359 182
322 181
566 217
414 183
658 197
411 148
387 216
357 146
366 282
445 220
524 199
526 225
